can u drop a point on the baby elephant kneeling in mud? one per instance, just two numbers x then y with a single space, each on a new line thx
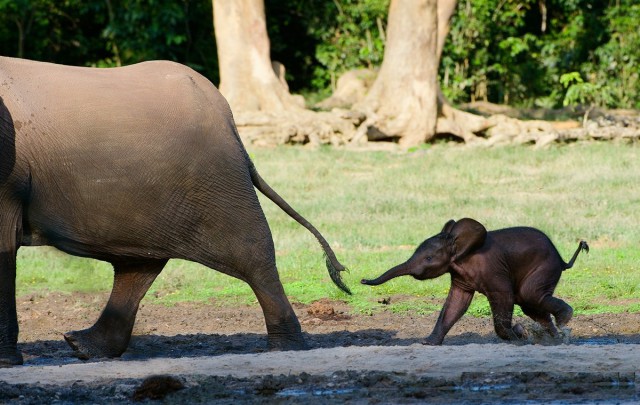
510 266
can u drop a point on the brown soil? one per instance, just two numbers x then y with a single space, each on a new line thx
193 331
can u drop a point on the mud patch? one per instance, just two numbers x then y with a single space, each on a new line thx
350 387
219 354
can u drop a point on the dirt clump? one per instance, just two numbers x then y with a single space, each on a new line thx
324 310
157 387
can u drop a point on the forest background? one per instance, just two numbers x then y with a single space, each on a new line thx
501 51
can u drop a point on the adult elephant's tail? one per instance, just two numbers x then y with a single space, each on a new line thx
333 265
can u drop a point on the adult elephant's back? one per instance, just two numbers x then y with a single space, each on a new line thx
143 157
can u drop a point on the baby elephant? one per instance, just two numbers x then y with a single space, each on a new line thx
510 266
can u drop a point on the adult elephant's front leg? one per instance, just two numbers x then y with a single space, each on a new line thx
9 220
110 335
283 329
9 354
454 307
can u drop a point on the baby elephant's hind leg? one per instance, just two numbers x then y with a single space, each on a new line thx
542 317
536 293
502 310
560 309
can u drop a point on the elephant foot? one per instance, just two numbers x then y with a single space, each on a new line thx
563 318
432 341
552 331
513 333
520 331
89 344
288 341
11 358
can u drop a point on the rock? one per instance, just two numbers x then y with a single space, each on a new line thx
157 387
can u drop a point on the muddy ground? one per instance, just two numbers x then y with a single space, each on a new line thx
210 353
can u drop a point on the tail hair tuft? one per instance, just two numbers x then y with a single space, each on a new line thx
334 273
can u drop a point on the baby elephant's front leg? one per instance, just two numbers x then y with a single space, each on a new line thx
454 307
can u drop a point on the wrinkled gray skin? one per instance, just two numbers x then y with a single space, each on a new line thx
510 266
133 166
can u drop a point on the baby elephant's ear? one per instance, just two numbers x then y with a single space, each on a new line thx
446 229
467 235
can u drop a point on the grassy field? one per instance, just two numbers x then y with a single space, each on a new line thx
375 207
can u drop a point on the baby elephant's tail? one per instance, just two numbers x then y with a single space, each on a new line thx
581 246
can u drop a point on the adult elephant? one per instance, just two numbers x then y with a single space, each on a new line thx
133 166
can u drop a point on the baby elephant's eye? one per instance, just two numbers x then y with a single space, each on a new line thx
429 258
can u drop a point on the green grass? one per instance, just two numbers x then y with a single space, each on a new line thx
375 207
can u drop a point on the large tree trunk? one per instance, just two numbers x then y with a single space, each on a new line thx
450 120
499 128
446 8
403 100
264 110
247 78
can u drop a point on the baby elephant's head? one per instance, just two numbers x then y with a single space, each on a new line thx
434 256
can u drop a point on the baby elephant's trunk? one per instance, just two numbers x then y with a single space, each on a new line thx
581 246
397 271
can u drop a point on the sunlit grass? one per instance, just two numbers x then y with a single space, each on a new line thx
375 207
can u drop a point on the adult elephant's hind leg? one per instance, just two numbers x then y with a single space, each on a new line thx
283 328
242 247
109 336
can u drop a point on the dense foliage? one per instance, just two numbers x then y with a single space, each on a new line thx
516 51
318 39
110 32
504 51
